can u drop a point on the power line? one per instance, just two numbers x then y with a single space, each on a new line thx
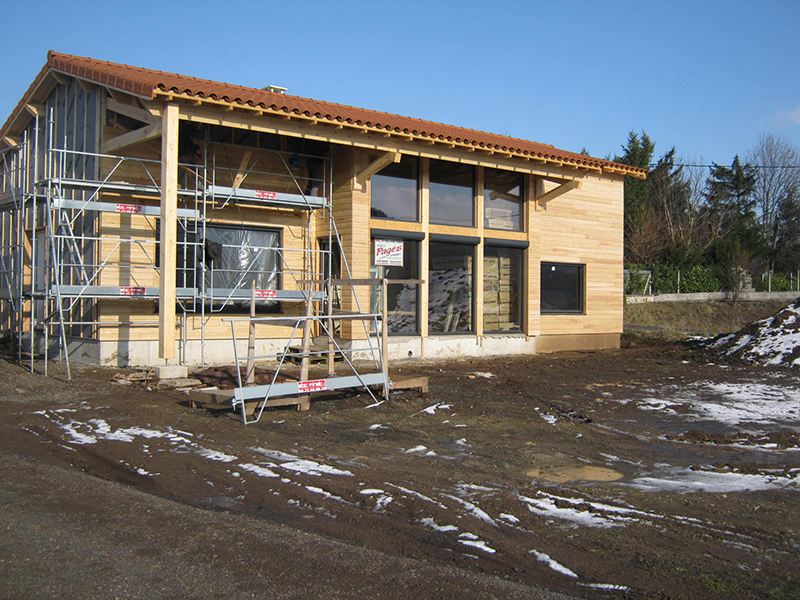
651 165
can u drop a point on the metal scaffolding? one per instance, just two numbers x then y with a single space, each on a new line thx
64 250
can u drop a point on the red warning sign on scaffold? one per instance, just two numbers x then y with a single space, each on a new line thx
266 195
132 291
266 293
318 385
128 208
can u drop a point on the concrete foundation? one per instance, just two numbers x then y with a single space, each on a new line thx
217 352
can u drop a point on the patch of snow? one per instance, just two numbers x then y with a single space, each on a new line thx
686 481
429 522
556 566
509 518
258 470
473 509
415 449
417 495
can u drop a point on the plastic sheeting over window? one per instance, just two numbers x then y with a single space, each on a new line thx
235 258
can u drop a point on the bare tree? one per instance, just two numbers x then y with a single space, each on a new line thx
775 183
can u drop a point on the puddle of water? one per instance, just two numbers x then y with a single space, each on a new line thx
576 473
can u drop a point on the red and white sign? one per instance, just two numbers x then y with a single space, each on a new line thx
128 208
132 291
266 293
389 253
266 195
317 385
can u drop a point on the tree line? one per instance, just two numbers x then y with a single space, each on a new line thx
727 222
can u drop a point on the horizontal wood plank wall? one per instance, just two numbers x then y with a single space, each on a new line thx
133 262
583 226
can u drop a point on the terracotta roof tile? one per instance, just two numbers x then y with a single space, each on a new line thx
148 83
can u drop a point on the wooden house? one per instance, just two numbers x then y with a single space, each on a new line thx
142 212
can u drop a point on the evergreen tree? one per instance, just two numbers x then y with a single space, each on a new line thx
729 194
639 214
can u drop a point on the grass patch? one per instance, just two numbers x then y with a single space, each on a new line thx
697 318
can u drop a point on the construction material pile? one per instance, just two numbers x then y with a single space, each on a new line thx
771 341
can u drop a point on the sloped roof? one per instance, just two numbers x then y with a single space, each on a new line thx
149 84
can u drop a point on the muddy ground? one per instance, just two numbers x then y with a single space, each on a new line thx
609 474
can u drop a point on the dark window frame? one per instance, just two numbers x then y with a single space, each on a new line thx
521 272
574 306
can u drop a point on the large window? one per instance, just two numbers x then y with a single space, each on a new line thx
395 191
235 257
402 299
502 200
452 193
562 288
502 301
450 288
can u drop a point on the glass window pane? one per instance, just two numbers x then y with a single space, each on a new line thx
562 288
502 302
402 299
450 288
395 191
502 200
452 193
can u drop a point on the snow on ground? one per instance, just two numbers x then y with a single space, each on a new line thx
745 405
771 341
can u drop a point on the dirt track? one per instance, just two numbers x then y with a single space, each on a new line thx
598 474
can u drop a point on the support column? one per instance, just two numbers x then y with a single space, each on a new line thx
169 231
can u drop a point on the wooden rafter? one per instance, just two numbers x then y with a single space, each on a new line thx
240 174
134 112
560 190
137 136
376 165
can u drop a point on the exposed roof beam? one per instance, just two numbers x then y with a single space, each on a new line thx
559 191
36 110
11 141
61 78
136 136
88 86
376 165
133 112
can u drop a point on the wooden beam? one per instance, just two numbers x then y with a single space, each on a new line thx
61 78
376 165
362 138
134 112
169 232
556 192
35 110
88 86
137 136
237 181
11 141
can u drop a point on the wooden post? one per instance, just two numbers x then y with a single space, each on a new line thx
250 376
169 231
385 336
305 401
329 325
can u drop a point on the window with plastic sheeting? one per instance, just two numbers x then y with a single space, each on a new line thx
234 258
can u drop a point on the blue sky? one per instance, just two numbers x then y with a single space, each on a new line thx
707 77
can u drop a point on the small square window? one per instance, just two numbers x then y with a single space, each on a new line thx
562 288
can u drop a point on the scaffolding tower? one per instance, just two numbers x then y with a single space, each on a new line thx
80 228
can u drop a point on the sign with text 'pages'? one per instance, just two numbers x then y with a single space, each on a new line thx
389 253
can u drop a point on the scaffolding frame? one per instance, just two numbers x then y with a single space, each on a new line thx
55 213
